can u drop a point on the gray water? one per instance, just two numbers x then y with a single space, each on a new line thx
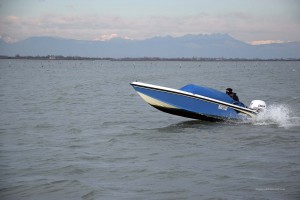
78 130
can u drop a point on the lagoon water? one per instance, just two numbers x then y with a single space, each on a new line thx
78 130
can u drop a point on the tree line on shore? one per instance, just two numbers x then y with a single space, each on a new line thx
58 57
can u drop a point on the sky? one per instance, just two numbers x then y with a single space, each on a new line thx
251 21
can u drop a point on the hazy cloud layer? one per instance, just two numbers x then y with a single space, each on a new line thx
243 26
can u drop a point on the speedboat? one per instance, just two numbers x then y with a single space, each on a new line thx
197 102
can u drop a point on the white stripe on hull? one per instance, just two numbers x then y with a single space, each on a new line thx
155 102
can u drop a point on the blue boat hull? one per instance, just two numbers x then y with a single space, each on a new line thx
197 106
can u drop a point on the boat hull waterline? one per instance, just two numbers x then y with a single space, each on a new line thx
191 105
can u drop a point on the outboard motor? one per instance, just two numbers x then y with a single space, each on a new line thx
258 105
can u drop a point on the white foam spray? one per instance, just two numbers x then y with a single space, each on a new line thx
280 115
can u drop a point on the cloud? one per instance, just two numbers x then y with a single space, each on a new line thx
259 42
12 19
103 27
107 37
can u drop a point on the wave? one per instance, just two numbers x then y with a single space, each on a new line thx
278 114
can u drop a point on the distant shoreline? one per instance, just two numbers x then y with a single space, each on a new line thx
142 58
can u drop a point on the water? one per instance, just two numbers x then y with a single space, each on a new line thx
77 130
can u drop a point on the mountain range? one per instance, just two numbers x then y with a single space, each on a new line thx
202 46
